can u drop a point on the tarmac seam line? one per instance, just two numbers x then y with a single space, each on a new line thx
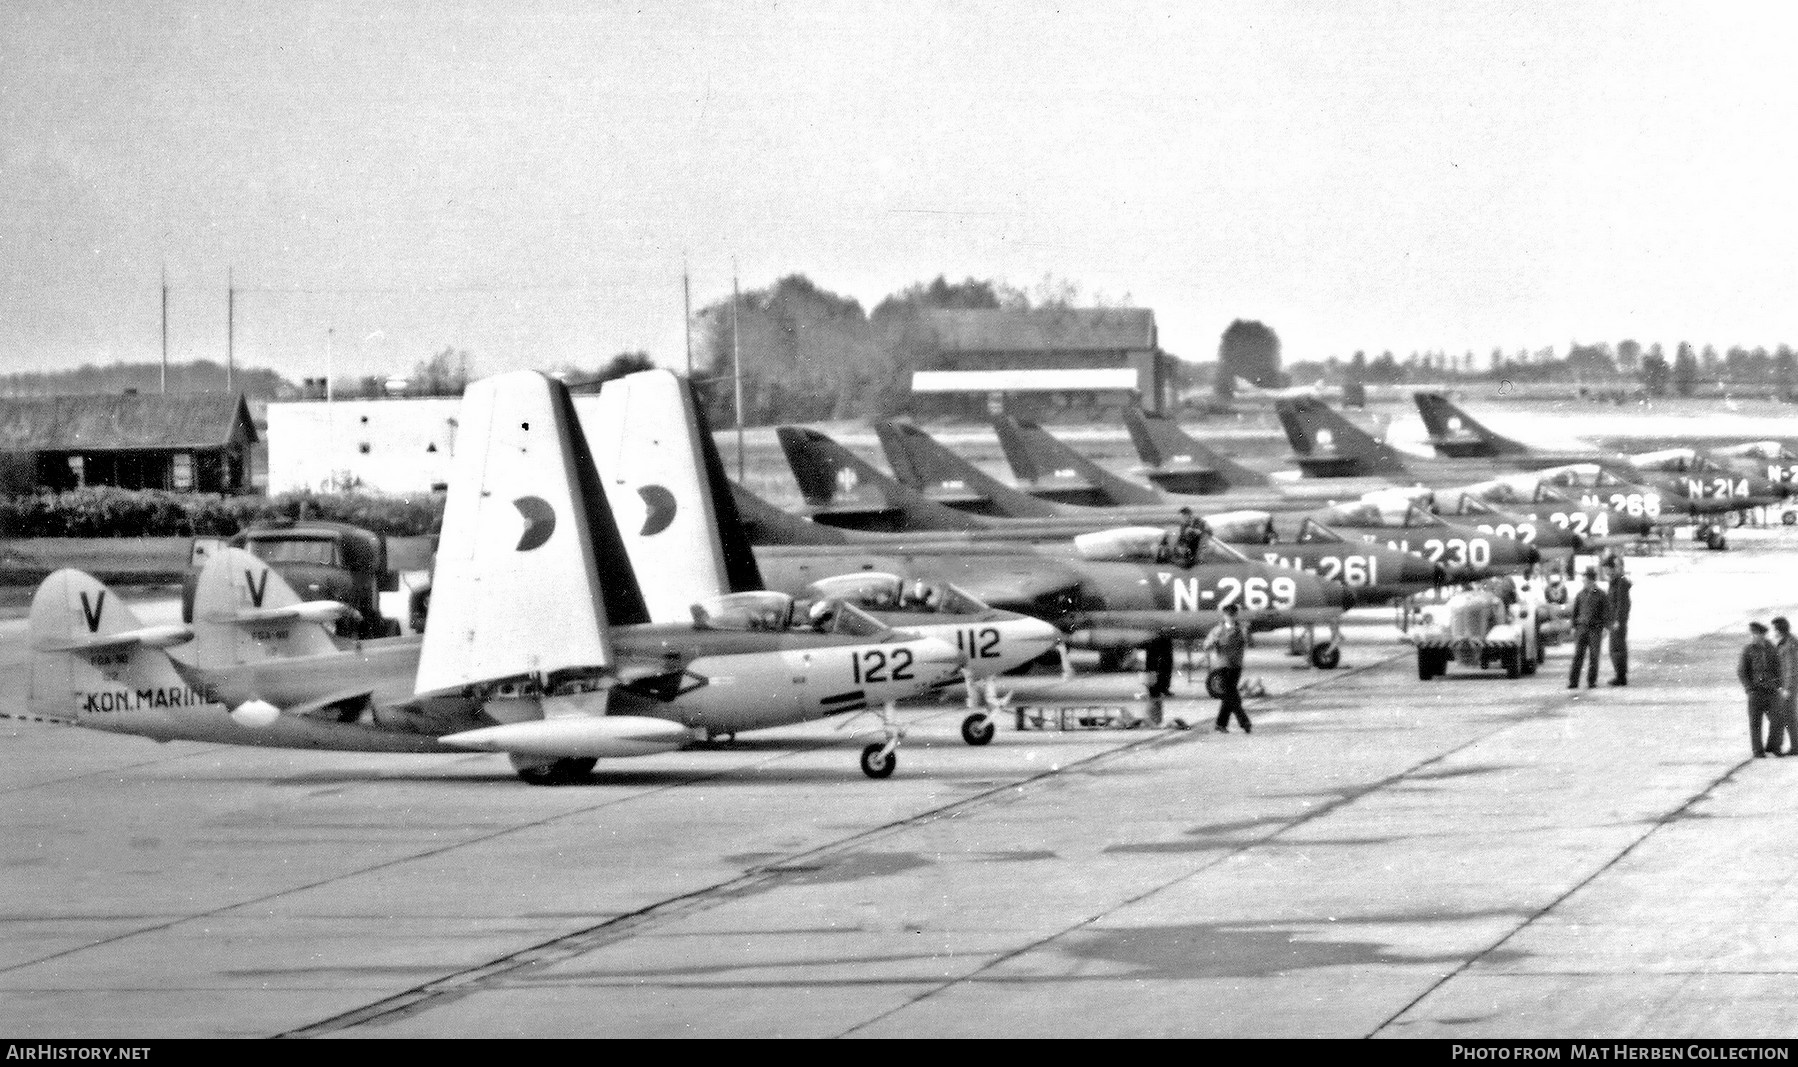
1659 824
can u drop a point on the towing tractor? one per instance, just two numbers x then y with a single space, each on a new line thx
322 560
1478 629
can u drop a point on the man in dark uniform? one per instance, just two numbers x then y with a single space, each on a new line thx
1189 538
1589 616
1617 603
1229 639
1758 671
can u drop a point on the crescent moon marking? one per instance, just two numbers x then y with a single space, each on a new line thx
662 506
539 519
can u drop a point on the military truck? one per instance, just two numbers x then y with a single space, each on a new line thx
322 560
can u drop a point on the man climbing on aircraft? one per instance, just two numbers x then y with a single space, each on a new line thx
1189 538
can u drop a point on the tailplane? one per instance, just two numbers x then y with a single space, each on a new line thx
1177 463
921 462
92 659
842 489
1326 445
1054 471
1455 433
244 612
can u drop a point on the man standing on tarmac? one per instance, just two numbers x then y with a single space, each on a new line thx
1617 601
1229 638
1590 614
1758 670
1784 739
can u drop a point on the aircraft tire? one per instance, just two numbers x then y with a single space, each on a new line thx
877 762
978 729
1788 518
556 772
1325 657
1426 665
1513 660
1214 684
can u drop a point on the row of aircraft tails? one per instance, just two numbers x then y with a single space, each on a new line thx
602 590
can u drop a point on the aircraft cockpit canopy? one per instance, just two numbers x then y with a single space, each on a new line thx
1312 532
1499 493
1355 513
1417 516
1467 504
881 591
1672 460
1136 543
758 611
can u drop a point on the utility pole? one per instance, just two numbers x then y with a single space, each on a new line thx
165 327
736 363
686 288
230 328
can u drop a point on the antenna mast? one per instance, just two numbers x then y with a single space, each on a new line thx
165 327
736 363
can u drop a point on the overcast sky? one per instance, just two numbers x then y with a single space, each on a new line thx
525 181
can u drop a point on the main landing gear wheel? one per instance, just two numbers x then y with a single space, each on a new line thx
1513 660
535 771
1788 517
975 730
877 762
1325 657
1214 684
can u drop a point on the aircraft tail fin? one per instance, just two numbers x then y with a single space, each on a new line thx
244 612
1453 432
665 484
842 489
1174 461
922 463
526 531
92 656
1055 471
1326 445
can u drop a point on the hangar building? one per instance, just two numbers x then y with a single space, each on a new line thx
1039 360
186 442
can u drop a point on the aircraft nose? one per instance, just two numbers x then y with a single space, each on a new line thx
1036 635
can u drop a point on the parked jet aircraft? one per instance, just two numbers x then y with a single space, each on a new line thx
1179 463
842 489
1325 442
1702 487
922 463
523 531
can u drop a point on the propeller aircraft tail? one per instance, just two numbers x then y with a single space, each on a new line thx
244 612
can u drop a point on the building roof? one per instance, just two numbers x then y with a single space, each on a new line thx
1044 330
101 423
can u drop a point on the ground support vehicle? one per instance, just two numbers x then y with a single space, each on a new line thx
1477 629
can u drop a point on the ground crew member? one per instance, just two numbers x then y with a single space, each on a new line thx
1758 670
1784 741
1617 604
1589 618
1189 538
1229 639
